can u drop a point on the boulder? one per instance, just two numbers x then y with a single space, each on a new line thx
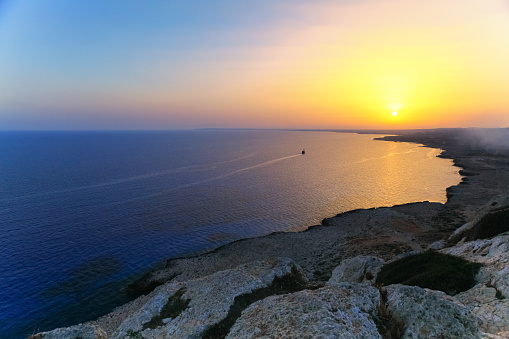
356 270
340 311
430 314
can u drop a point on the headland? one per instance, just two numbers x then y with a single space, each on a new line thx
482 157
384 232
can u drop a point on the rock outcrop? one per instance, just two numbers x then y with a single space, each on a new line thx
489 306
189 309
273 299
488 299
430 314
208 302
341 311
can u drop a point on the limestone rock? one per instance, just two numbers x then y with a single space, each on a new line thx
431 314
204 302
355 270
341 311
79 331
488 300
191 305
489 306
486 251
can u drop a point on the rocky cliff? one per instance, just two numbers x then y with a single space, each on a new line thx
275 298
323 282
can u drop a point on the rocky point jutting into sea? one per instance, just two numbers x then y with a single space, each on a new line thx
321 282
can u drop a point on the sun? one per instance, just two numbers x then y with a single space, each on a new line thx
394 113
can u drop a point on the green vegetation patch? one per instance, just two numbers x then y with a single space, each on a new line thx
289 283
490 225
437 271
175 305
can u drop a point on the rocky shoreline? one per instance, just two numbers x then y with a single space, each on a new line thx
310 258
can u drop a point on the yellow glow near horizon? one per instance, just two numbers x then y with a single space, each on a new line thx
321 64
433 71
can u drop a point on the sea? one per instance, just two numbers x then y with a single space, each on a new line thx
83 213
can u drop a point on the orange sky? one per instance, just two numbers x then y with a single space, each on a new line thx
283 64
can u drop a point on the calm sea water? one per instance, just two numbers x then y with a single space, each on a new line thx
81 212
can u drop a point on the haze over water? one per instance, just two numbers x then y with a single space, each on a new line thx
80 212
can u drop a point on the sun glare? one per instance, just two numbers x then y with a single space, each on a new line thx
394 113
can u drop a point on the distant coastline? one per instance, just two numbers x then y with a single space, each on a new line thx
463 200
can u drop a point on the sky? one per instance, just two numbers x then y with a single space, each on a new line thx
163 64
